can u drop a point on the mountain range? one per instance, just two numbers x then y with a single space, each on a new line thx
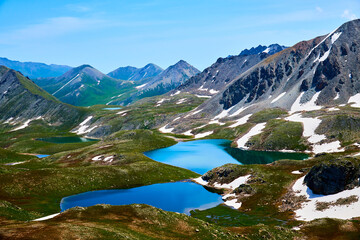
85 86
166 81
136 74
297 107
35 70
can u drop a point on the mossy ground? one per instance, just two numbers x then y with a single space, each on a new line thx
35 188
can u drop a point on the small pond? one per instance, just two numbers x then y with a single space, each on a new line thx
61 140
203 155
112 109
42 155
179 197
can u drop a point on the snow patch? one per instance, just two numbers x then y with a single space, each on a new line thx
355 100
141 86
333 109
241 121
234 184
26 124
308 211
321 42
308 106
175 119
267 50
278 97
181 101
201 88
216 122
177 92
310 125
201 135
83 127
188 133
223 114
296 172
233 203
213 91
328 147
46 217
335 37
325 56
257 129
193 113
337 96
202 96
240 110
122 112
164 129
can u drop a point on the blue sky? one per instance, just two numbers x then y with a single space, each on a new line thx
108 34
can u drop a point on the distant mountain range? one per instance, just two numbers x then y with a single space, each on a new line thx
164 82
136 74
85 86
35 70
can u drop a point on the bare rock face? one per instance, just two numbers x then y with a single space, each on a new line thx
334 177
326 65
216 77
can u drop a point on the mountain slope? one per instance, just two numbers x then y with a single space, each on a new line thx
325 67
22 101
166 81
136 74
302 98
85 86
214 78
35 70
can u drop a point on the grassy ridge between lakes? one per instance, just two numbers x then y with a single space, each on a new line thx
38 185
117 222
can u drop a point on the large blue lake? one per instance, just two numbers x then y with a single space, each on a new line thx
176 197
199 156
203 155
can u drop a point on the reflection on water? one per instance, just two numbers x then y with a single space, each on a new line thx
66 139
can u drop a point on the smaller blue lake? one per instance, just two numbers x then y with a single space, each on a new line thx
203 155
42 155
179 197
62 140
112 109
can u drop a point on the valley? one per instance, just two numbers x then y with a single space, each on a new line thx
261 145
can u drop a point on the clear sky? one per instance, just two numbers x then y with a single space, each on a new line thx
109 34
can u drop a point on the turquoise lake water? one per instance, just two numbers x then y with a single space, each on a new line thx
179 197
199 156
203 155
112 109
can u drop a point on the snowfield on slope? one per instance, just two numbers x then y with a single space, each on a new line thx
257 129
308 211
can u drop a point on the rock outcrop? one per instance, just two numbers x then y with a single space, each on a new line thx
333 177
